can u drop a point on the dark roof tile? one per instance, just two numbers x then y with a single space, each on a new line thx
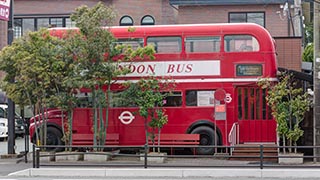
227 2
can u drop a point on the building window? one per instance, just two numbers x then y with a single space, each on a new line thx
126 21
56 22
147 20
17 28
70 23
23 25
250 17
42 23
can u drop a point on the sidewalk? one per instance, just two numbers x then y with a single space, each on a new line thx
168 172
16 167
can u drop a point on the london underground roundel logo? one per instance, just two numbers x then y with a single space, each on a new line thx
126 117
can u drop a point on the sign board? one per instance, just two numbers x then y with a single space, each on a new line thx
172 68
220 94
220 112
249 70
205 98
4 9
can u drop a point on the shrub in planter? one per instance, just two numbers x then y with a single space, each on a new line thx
289 104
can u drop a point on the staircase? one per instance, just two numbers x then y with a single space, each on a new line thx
251 152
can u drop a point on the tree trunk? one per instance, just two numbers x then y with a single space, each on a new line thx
159 132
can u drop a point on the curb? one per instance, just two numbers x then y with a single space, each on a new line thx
173 173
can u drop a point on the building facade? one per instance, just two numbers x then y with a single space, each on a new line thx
275 15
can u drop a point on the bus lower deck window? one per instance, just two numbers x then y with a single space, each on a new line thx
172 99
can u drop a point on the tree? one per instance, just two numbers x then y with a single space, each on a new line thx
289 105
98 58
148 95
307 54
308 34
48 70
35 63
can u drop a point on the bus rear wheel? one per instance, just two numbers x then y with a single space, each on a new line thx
207 138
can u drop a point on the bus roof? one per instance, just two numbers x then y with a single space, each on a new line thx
259 32
220 28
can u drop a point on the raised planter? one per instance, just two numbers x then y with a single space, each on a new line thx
96 157
154 157
290 158
68 156
44 156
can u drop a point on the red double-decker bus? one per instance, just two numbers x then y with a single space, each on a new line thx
215 68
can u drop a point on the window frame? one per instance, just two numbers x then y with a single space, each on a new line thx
19 23
162 39
246 16
147 23
125 17
139 41
244 47
212 39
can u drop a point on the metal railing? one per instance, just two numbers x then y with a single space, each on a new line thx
179 159
234 136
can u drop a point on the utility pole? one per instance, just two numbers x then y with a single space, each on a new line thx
297 18
11 110
316 81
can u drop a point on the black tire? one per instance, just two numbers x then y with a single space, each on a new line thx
54 138
207 138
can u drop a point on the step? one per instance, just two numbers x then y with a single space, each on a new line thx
251 152
254 151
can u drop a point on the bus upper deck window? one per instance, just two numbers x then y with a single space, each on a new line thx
84 99
240 43
165 44
134 43
202 44
120 99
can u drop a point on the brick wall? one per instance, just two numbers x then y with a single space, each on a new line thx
3 34
219 14
29 7
160 10
289 53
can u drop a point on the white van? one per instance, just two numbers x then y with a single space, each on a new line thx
3 123
19 124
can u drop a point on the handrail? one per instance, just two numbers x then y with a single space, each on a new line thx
261 160
234 136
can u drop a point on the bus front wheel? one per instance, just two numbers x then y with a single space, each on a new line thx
207 138
54 138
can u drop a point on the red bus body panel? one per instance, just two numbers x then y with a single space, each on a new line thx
184 118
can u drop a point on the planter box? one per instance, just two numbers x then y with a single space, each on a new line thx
45 158
291 158
154 157
96 157
68 156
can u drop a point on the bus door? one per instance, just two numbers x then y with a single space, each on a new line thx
254 116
